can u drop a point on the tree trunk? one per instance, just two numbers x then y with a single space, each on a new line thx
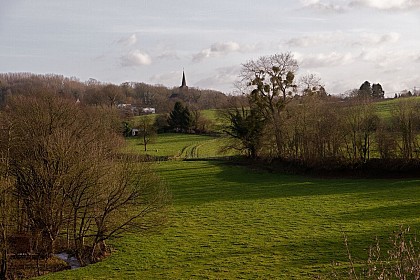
277 131
3 268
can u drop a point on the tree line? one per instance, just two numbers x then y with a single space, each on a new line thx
93 92
314 128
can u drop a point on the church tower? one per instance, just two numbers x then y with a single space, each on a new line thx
183 86
182 90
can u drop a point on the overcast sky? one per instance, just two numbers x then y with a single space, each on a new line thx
345 42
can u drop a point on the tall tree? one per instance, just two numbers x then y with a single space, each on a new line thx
175 116
187 119
377 91
147 130
270 79
180 118
365 90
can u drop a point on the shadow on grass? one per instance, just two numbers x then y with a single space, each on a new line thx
215 181
406 211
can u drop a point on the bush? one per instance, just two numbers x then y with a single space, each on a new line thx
400 261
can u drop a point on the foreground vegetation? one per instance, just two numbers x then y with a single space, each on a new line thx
64 185
229 221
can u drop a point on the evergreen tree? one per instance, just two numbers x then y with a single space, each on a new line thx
365 90
187 120
246 126
377 91
175 116
180 119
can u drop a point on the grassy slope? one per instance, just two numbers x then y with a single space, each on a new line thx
212 114
178 145
384 108
228 222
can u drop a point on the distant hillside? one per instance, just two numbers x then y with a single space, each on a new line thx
384 108
94 92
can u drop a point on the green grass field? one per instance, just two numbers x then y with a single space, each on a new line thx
384 108
179 146
232 222
213 115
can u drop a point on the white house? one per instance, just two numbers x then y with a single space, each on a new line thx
148 110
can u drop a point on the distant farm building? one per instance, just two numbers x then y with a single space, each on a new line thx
134 132
148 110
128 109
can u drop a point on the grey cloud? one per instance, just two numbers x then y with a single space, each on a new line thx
344 5
325 60
217 49
167 78
387 59
364 39
323 6
223 78
369 39
135 58
308 41
166 55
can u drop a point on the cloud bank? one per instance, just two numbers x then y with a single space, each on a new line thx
364 39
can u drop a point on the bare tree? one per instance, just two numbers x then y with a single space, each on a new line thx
147 130
5 193
406 121
270 79
360 123
113 94
70 177
311 85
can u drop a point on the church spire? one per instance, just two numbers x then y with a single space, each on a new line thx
184 82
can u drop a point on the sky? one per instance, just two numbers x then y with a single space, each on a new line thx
344 42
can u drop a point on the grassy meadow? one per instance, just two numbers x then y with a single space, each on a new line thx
233 222
384 108
178 146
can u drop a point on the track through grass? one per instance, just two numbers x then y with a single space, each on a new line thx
179 146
